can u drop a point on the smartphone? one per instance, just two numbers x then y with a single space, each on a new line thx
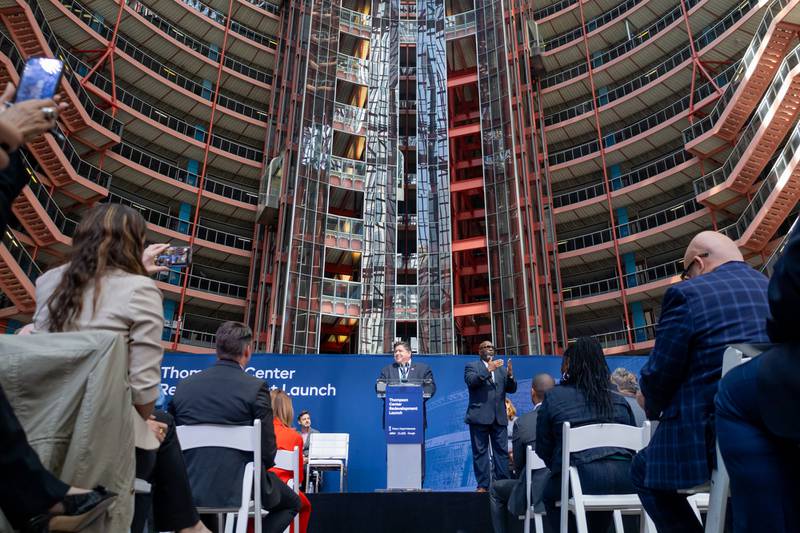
175 256
40 79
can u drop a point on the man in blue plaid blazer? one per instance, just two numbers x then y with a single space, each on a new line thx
723 301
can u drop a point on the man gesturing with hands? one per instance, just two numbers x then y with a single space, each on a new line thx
488 383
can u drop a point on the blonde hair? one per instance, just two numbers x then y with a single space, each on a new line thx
511 411
625 380
282 408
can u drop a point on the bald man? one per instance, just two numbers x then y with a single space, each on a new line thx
721 301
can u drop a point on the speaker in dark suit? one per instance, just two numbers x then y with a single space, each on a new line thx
722 301
758 423
488 382
405 370
224 394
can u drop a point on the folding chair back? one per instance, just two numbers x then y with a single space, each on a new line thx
243 438
532 462
597 436
290 461
329 450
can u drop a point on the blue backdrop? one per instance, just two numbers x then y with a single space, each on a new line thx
339 391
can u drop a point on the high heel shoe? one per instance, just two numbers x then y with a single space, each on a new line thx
80 510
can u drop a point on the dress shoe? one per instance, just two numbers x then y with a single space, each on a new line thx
80 510
481 489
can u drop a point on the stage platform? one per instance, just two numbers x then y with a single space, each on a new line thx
400 512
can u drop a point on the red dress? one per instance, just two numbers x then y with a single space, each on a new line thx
286 438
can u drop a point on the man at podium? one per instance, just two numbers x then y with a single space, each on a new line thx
405 371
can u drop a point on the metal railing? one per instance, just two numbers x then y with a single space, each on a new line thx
236 27
748 60
230 60
203 284
620 338
170 222
21 256
621 48
634 279
548 10
641 173
406 302
166 119
638 225
762 112
350 168
64 224
353 66
407 261
149 61
783 163
160 166
339 226
95 113
591 24
637 128
460 22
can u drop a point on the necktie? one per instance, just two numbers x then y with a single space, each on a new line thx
404 373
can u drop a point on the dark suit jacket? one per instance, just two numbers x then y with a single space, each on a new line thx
699 319
524 436
12 180
224 394
487 398
565 403
779 369
418 371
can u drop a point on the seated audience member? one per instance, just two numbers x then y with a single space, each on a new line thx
225 395
105 285
286 439
510 493
758 422
722 302
626 383
304 421
511 412
583 397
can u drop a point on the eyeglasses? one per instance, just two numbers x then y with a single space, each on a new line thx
486 346
685 274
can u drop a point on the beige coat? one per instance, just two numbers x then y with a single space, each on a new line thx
71 395
130 305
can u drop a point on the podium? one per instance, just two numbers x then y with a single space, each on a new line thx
405 431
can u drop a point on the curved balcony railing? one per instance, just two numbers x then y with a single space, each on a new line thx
626 46
266 6
95 113
236 27
343 291
31 269
355 67
641 173
172 223
192 337
81 167
351 168
763 111
640 277
348 227
651 73
551 9
203 284
660 117
353 20
748 59
171 121
615 339
350 118
149 61
736 230
166 168
230 61
591 24
61 221
645 223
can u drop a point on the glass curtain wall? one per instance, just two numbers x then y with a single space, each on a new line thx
434 278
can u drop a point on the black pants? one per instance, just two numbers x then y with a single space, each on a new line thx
482 436
604 476
170 494
27 489
281 502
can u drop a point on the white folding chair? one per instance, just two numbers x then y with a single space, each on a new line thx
244 438
532 462
597 436
290 461
329 451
